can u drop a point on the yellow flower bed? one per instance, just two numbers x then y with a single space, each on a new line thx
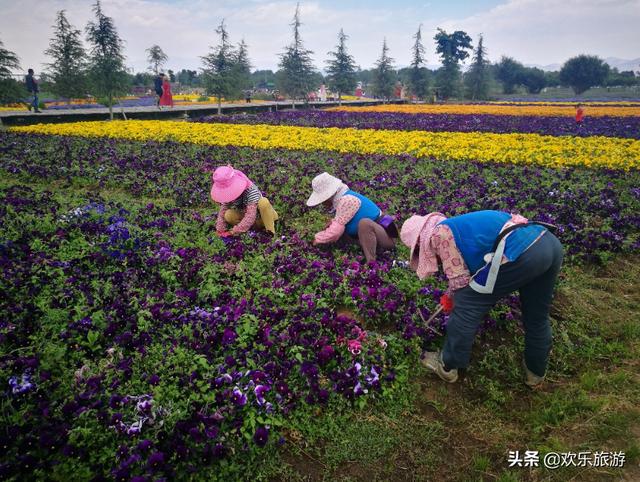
3 109
497 109
510 148
602 103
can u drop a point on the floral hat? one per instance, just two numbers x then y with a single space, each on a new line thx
228 184
418 229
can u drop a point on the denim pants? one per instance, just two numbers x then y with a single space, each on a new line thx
534 275
34 102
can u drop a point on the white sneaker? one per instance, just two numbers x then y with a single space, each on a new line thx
531 379
433 361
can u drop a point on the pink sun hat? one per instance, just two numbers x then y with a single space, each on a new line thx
418 229
228 184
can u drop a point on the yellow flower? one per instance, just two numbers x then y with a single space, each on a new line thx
551 151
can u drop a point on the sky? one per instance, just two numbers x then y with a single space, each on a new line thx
535 32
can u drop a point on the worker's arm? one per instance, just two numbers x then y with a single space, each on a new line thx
453 265
345 211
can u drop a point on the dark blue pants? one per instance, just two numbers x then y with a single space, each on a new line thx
534 274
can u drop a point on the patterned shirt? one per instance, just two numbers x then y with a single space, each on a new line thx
346 208
247 201
444 245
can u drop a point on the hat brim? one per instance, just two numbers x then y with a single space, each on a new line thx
320 197
317 198
228 193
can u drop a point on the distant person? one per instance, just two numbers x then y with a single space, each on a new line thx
579 114
157 84
32 87
167 97
247 96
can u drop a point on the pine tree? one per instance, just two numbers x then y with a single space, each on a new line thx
477 79
341 70
219 67
452 49
10 89
296 66
8 61
68 71
242 67
156 58
418 81
107 72
384 75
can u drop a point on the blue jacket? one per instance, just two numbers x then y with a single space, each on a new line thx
368 209
476 232
157 83
32 85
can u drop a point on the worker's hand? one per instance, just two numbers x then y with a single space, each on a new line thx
446 301
224 234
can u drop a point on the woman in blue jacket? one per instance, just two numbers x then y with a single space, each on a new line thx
486 255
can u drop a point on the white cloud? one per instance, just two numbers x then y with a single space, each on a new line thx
532 31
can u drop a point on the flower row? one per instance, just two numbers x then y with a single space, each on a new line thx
498 109
624 127
506 148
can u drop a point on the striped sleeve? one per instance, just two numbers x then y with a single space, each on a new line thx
251 195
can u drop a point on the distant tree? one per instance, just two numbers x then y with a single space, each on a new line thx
477 79
68 71
8 61
583 72
11 90
172 75
107 72
219 68
188 77
341 69
625 78
453 49
384 76
296 65
264 79
533 79
418 76
552 79
156 58
142 79
242 67
509 72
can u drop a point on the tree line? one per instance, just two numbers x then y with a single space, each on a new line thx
226 70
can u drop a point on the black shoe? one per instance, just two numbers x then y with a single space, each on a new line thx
38 111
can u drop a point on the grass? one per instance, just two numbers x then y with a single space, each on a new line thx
463 432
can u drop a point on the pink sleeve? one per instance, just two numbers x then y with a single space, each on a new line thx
347 208
248 220
453 264
221 224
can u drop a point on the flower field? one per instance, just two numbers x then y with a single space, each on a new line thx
463 146
611 126
135 344
598 110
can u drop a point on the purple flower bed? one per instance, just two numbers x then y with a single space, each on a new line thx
628 127
136 344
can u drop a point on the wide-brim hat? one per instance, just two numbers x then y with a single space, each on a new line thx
324 186
413 230
228 184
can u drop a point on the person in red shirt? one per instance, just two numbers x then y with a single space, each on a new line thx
579 114
167 97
